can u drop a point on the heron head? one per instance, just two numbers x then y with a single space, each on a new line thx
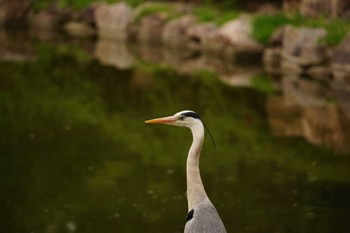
185 118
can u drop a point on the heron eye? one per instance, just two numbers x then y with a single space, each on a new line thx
181 118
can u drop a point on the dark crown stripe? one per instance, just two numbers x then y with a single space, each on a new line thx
191 114
195 116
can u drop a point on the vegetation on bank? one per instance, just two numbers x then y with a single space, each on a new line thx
217 16
222 11
265 25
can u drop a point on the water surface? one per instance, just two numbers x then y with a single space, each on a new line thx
76 155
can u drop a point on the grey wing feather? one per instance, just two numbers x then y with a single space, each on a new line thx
205 220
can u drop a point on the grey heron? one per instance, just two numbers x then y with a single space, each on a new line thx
202 215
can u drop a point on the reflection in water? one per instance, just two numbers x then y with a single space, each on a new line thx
307 110
314 97
13 48
77 157
109 52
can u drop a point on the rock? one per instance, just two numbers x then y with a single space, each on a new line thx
197 32
79 29
315 8
151 27
340 61
302 45
216 43
151 18
340 8
318 8
276 39
112 21
232 39
291 6
12 11
238 32
174 33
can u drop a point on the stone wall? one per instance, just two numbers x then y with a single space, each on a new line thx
317 8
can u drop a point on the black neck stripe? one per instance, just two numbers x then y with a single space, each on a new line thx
190 215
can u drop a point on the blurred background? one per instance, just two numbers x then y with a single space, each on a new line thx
271 79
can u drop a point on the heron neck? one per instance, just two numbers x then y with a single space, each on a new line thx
195 188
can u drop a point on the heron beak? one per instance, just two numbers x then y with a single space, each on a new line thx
162 120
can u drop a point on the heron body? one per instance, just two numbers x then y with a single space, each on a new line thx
202 215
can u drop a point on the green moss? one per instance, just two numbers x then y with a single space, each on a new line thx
134 3
154 8
336 28
76 4
265 25
205 14
336 31
38 5
209 14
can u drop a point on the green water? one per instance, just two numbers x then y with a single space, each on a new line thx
76 156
